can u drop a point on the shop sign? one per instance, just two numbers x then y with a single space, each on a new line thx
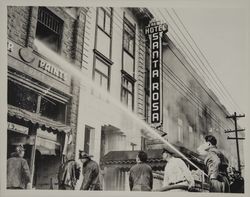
29 62
18 128
26 55
50 68
155 32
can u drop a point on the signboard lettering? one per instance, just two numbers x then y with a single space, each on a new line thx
18 128
155 31
52 69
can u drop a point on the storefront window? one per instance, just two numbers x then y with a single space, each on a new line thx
22 97
53 109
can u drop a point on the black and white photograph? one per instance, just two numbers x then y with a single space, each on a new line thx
131 97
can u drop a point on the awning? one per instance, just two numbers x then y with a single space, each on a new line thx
46 151
44 123
126 159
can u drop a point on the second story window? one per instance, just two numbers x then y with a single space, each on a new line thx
49 29
101 73
127 91
128 47
104 31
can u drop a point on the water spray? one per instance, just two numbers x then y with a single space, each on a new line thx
76 72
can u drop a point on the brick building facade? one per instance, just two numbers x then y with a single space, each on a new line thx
43 99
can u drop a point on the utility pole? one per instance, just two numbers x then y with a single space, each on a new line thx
234 117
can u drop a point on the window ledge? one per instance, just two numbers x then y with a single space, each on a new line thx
128 76
103 57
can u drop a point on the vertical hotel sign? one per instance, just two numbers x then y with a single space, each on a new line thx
155 31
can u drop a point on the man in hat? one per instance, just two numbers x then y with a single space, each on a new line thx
18 172
69 173
216 164
90 172
176 173
140 175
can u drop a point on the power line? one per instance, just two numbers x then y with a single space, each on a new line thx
190 98
200 103
219 92
216 84
224 88
136 38
235 117
199 82
184 50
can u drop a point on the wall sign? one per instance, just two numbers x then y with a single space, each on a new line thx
155 32
18 128
30 62
26 55
52 69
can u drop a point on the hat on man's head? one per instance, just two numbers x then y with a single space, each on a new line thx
84 155
19 148
165 150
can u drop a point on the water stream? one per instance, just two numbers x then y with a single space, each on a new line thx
76 72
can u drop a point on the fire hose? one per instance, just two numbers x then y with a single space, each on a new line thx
170 187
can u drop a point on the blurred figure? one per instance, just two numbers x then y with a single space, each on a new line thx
90 172
18 172
176 174
140 175
236 181
216 164
69 173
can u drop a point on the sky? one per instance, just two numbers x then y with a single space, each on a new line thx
221 35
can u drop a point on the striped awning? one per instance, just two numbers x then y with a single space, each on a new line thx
126 159
15 113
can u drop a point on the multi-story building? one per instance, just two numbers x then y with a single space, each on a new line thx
114 59
189 111
42 97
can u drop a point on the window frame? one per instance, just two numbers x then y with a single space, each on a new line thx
41 95
97 57
110 35
129 79
61 26
124 50
133 29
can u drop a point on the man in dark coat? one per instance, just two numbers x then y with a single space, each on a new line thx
18 172
90 172
140 175
69 173
216 164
